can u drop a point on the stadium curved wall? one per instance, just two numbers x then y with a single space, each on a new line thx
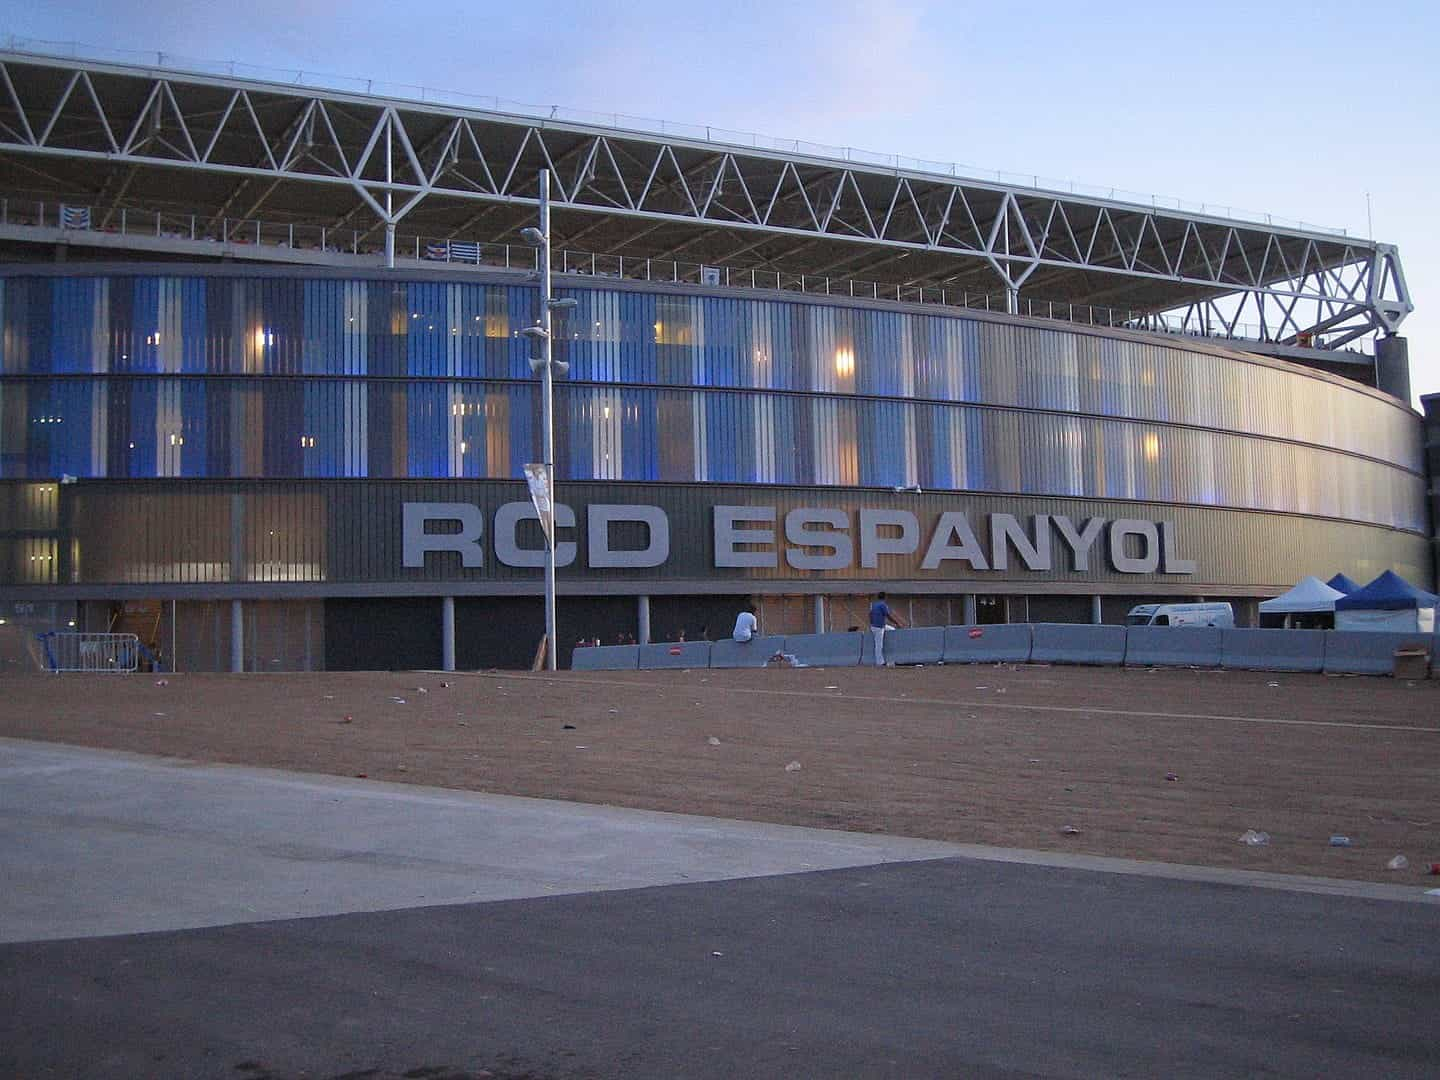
225 374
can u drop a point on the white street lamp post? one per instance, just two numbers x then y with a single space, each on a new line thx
546 366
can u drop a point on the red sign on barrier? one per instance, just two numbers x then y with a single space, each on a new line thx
675 650
976 632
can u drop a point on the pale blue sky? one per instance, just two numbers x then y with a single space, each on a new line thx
1297 109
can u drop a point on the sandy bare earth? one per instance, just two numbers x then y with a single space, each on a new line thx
993 755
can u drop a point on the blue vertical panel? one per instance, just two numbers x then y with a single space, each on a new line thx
639 434
142 445
938 419
428 423
722 449
524 429
429 332
36 324
979 472
72 310
194 326
882 436
574 445
469 341
70 428
523 305
321 353
144 343
194 456
283 402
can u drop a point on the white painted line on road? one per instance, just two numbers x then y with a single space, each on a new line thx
976 704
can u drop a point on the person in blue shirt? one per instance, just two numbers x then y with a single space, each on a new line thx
881 619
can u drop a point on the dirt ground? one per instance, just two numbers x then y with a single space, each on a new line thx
993 755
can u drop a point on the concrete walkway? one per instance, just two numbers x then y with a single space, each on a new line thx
318 927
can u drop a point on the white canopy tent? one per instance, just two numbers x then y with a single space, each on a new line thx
1310 595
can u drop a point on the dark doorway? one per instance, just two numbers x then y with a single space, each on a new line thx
699 617
505 631
382 634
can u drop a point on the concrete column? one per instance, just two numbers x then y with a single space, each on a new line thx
642 619
237 636
1392 366
819 614
970 615
447 633
1097 611
1012 301
390 245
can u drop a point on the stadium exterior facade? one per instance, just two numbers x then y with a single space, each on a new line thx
319 465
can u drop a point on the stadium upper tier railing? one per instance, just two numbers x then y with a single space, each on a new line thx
176 62
203 229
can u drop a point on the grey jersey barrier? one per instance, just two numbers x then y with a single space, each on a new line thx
1362 652
1272 650
1004 643
728 653
911 645
606 658
830 650
1077 643
1172 646
675 654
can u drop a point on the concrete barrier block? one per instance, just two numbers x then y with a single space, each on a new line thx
1172 646
1001 643
729 653
1271 650
826 650
606 658
1361 652
675 654
1077 643
912 645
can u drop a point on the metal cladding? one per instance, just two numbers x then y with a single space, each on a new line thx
319 434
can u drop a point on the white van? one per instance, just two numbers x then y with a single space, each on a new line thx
1181 615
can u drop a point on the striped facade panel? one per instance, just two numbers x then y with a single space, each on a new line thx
196 375
438 428
328 537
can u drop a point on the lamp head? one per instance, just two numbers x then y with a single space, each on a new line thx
532 236
562 303
534 332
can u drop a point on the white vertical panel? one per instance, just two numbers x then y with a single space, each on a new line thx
697 425
99 327
168 428
605 438
356 430
455 423
356 337
454 313
912 456
99 428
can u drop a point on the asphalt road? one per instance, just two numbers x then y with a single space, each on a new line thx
956 966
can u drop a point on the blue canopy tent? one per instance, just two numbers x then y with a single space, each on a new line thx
1387 603
1343 584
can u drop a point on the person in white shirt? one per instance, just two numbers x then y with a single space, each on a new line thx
746 626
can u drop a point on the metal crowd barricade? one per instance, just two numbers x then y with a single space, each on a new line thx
96 653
